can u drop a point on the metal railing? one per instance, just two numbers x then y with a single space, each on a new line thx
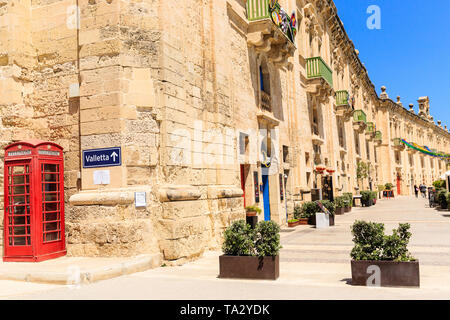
266 101
317 68
359 116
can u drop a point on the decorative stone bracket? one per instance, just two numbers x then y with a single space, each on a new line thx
266 37
319 88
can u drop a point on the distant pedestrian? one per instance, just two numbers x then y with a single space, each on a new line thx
423 190
416 190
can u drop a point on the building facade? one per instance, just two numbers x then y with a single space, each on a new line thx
214 106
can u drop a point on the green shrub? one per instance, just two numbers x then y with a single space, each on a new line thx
239 240
309 209
349 196
329 205
292 220
267 239
448 198
442 198
388 186
298 212
439 184
372 244
365 196
373 195
341 202
381 188
253 208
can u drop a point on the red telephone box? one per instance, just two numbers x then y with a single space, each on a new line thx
34 201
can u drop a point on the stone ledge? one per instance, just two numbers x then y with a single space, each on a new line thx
34 273
178 193
220 192
107 196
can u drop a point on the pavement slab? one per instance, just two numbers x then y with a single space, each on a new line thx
314 264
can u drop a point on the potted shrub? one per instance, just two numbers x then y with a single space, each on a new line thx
388 189
298 215
349 197
293 223
442 199
341 203
330 206
366 198
382 260
252 211
374 197
309 210
251 253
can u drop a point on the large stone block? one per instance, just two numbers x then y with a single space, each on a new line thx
191 246
181 228
184 209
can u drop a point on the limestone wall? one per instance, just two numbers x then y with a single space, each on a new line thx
175 84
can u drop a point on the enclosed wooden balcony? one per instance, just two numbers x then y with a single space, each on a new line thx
359 120
319 78
397 144
343 107
266 35
378 139
370 131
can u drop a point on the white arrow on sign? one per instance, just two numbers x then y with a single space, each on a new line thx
114 155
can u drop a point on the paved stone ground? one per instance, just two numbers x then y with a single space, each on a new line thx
315 264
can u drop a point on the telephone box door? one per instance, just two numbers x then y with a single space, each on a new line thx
18 209
52 196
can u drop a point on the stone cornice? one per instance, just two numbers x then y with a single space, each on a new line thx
343 41
425 123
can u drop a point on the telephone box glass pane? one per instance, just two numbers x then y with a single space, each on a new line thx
50 168
51 206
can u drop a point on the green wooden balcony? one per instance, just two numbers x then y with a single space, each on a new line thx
378 136
359 116
370 128
317 68
257 10
398 144
342 98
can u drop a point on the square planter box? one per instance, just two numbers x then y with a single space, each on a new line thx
241 267
392 274
293 224
347 209
340 211
303 221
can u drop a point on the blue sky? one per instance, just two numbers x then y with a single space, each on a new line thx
410 54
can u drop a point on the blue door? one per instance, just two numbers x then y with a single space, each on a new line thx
265 182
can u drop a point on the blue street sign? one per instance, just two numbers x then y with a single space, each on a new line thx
107 157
